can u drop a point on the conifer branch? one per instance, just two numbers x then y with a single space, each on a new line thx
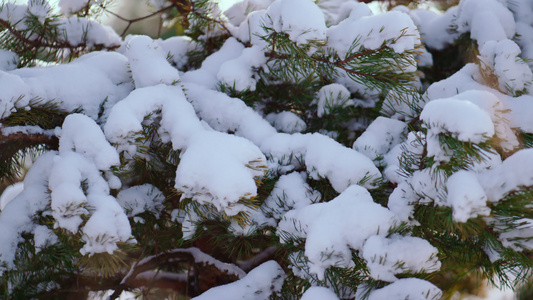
39 43
204 270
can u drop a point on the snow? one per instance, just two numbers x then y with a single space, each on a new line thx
14 14
340 165
319 293
380 137
207 74
252 29
69 7
39 8
8 60
259 284
78 30
290 192
238 73
238 12
81 134
407 288
393 29
387 256
147 61
466 196
9 193
43 237
16 217
462 119
177 48
286 121
220 169
511 174
502 59
71 85
226 147
331 96
487 20
328 227
141 198
302 20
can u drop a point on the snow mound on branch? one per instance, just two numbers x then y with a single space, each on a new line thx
77 31
319 293
238 73
466 196
513 173
302 20
8 60
387 256
323 156
141 198
17 216
290 192
215 167
177 47
206 75
82 135
71 86
78 188
148 62
379 137
435 29
407 288
239 11
259 284
329 227
286 121
69 7
220 169
393 29
331 96
501 58
462 119
485 20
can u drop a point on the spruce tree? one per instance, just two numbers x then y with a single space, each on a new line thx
279 149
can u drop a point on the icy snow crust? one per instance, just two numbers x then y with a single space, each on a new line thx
225 146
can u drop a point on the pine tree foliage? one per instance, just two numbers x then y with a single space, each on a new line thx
287 149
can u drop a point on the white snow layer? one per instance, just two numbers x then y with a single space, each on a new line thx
501 58
329 227
71 86
407 288
258 284
141 198
331 96
393 29
148 62
466 196
485 20
319 293
380 137
69 7
301 19
386 256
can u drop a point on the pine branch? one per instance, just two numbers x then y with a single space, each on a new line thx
203 270
40 42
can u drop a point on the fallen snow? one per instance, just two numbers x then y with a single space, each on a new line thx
259 284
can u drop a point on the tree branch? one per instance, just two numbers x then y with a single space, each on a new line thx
207 272
38 43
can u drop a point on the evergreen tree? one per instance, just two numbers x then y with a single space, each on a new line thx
280 149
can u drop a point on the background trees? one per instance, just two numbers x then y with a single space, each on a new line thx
288 149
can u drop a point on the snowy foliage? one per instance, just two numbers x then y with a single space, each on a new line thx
313 128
